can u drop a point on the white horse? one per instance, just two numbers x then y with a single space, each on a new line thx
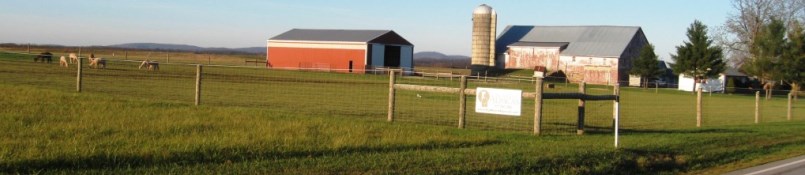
73 58
150 65
63 61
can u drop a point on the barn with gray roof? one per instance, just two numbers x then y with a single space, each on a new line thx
357 51
593 54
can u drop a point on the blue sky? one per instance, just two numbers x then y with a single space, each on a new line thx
443 25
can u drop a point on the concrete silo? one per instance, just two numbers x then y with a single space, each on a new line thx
484 22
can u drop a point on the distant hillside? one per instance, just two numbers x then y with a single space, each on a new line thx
436 59
190 48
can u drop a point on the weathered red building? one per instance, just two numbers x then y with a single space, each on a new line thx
339 50
593 54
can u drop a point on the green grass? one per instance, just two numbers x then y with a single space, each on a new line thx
257 121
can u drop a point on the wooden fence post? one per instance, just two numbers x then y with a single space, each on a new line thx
198 84
538 85
126 53
391 96
699 107
462 101
789 105
617 113
29 48
580 124
78 76
757 107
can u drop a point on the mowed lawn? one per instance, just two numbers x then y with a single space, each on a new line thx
288 122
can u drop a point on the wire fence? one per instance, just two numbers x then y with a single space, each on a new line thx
330 92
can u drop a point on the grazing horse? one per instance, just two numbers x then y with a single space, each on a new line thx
63 61
73 58
150 65
44 56
96 62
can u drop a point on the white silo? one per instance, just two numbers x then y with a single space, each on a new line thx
484 21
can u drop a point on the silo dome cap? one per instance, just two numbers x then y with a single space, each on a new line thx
483 9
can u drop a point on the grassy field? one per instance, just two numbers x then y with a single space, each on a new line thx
287 122
160 56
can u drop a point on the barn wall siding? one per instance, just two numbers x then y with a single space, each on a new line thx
327 59
528 57
407 58
378 55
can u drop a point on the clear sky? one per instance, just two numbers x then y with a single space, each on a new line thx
442 25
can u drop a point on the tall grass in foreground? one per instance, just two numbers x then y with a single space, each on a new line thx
250 123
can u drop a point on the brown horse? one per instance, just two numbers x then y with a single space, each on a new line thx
96 62
44 56
150 65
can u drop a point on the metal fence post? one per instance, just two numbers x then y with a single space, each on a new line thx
790 94
198 84
538 85
699 107
617 113
462 101
391 96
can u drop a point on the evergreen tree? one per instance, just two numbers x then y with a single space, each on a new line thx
766 50
792 62
698 57
646 65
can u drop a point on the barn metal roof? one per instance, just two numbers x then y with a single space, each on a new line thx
339 35
603 41
540 44
729 71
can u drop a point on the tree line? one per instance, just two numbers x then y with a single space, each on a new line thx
764 39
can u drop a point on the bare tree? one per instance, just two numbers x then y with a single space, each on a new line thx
742 26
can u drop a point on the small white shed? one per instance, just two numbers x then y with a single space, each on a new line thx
711 84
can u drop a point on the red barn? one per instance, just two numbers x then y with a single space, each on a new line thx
339 50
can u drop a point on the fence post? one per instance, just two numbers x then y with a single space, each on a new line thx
29 48
78 75
790 94
699 107
757 107
617 112
656 87
391 96
538 85
462 101
198 84
580 124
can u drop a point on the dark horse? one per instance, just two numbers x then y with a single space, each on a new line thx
44 56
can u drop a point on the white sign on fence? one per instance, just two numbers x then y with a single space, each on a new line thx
498 101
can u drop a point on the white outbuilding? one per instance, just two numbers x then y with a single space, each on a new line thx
711 84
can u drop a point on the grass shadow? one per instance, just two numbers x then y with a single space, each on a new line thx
207 156
594 130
